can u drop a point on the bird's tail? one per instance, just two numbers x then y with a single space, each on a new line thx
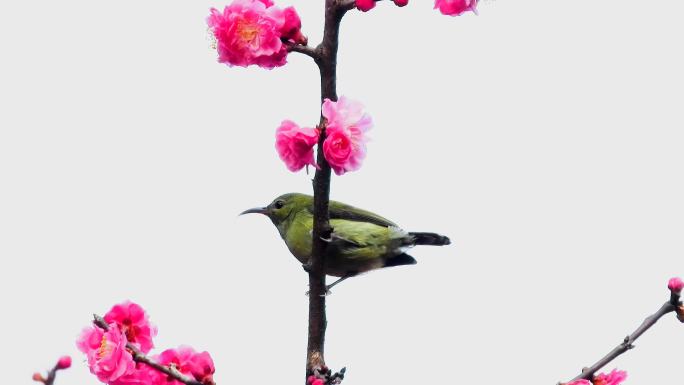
431 239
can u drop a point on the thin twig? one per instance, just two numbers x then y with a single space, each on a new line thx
628 342
138 356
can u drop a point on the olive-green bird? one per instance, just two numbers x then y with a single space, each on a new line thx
361 240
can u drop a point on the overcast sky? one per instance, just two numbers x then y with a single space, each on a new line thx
543 137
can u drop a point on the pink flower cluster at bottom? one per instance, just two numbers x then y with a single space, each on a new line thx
109 356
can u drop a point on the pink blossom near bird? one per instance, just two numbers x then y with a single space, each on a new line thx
295 144
346 125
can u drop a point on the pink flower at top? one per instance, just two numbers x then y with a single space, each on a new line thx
456 7
107 356
251 32
676 285
133 321
401 3
365 5
615 377
188 362
64 362
295 145
345 143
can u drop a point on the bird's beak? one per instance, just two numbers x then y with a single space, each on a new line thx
256 210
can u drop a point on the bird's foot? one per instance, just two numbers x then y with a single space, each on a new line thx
306 267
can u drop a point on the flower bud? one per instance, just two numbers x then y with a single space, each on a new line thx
365 5
38 377
676 285
400 3
64 362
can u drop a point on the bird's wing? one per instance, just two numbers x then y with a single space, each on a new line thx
340 210
354 240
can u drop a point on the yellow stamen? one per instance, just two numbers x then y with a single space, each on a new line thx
103 349
247 31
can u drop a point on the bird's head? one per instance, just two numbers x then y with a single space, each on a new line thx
282 207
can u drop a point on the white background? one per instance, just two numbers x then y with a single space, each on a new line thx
544 137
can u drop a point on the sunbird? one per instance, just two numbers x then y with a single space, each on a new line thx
360 241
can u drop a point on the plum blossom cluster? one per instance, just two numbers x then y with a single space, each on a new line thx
111 352
255 32
446 7
616 377
344 147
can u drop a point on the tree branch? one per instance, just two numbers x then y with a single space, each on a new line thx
628 342
303 49
327 64
50 380
138 356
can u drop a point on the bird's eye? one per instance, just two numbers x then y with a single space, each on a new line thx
279 204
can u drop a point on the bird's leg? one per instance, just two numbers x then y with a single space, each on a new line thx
348 275
328 287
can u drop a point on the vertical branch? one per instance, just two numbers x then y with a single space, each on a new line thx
327 64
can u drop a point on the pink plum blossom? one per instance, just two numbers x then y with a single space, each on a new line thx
295 145
188 362
292 26
615 377
345 143
456 7
141 375
676 285
365 5
133 321
401 3
106 351
64 362
579 382
251 32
